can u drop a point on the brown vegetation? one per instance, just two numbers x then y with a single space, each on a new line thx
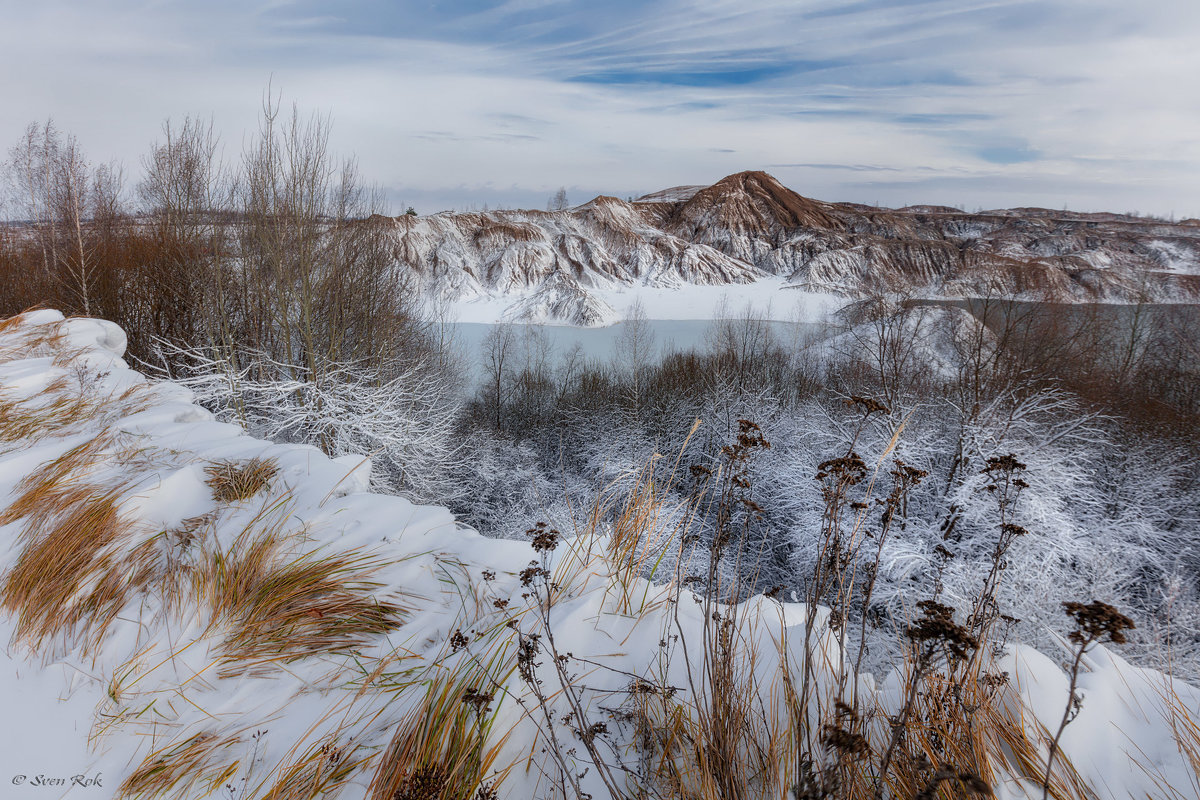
276 607
233 481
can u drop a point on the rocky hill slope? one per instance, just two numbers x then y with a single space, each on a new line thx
559 266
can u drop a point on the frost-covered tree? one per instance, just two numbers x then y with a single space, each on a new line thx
559 201
405 421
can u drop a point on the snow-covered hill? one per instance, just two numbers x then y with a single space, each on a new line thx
191 612
563 266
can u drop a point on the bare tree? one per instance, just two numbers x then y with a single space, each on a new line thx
634 350
182 181
29 165
297 272
559 201
185 193
319 274
499 348
72 207
71 185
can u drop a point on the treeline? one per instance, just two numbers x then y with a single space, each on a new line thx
270 283
1139 365
276 254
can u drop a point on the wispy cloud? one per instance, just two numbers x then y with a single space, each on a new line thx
844 167
1083 102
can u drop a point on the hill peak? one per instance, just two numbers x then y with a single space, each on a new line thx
753 201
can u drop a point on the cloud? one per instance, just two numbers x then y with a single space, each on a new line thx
478 98
1002 154
846 167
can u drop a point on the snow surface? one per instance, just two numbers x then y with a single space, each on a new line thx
1179 257
63 720
772 298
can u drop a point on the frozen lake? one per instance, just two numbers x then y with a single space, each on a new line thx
600 344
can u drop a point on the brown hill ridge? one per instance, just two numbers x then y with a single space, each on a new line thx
750 202
749 226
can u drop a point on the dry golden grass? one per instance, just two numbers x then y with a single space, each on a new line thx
197 767
960 726
732 734
66 357
38 492
727 743
233 481
639 539
281 608
64 579
20 421
982 729
1012 741
319 772
67 405
39 341
1185 730
10 324
440 749
639 536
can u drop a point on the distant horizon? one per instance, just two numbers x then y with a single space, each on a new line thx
585 198
397 206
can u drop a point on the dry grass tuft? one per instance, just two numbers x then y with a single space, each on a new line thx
1184 722
193 768
1186 729
639 539
233 481
66 576
282 609
21 421
10 324
38 492
962 729
726 743
39 341
69 404
440 750
320 772
979 728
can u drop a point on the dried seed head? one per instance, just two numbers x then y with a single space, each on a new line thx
937 626
1097 621
544 537
1008 463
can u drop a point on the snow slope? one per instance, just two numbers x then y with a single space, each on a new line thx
174 641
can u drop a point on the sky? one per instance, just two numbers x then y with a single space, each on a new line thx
1088 104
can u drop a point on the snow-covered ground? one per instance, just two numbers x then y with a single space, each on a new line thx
769 297
140 655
